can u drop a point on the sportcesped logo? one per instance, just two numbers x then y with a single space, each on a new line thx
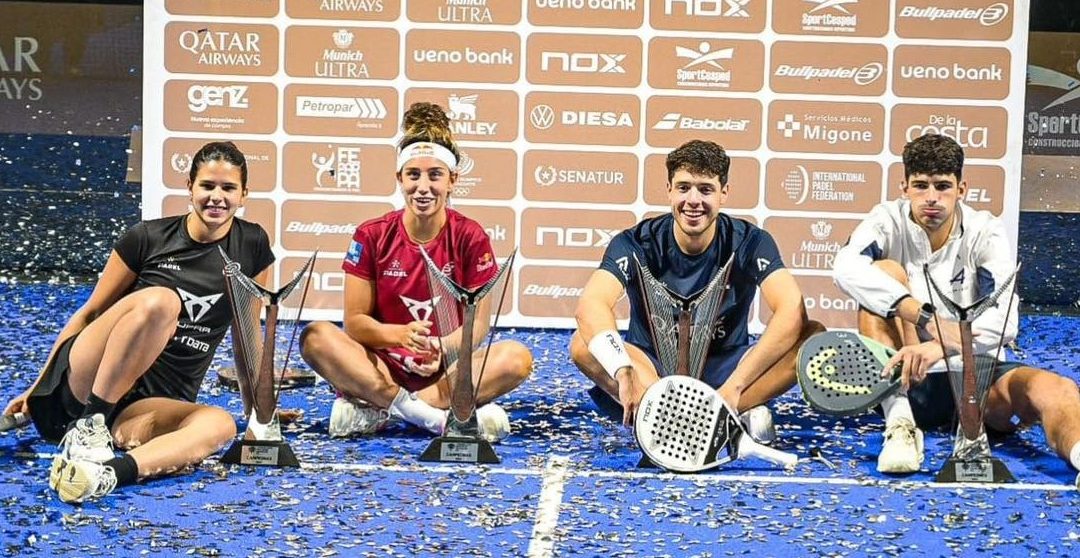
988 16
704 65
830 15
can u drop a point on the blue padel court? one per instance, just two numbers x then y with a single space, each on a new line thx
568 484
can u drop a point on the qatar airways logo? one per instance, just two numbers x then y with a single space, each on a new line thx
222 48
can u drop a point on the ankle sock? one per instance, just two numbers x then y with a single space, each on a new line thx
127 471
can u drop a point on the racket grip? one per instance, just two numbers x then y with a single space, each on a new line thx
10 422
749 448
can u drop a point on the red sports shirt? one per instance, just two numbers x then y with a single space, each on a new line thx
382 253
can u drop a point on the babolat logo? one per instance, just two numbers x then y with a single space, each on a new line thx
864 75
201 97
990 15
676 121
318 228
553 291
582 62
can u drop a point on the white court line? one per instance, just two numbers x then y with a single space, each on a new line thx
717 478
542 543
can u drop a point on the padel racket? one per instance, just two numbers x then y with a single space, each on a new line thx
839 372
11 422
683 425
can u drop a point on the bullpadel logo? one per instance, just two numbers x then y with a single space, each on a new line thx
828 68
325 225
970 19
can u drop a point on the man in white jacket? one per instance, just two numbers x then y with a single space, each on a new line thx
968 256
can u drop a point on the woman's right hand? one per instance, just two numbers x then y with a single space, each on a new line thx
414 336
18 404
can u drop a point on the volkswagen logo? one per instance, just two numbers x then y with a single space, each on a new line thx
542 117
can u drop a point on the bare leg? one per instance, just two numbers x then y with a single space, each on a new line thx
508 364
349 366
780 377
119 346
1036 395
165 435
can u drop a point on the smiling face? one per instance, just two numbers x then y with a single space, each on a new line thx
216 194
426 183
934 200
695 202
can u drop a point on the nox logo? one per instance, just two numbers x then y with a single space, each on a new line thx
675 120
582 62
420 310
575 237
708 8
197 306
201 97
542 117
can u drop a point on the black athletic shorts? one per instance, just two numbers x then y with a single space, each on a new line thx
932 401
53 407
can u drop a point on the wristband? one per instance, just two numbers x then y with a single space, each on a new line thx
608 349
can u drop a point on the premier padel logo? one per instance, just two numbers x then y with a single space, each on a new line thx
195 305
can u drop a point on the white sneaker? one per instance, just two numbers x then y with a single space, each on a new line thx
89 440
902 450
80 481
351 416
493 422
759 424
1078 481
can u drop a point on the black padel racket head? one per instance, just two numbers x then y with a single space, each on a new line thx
839 372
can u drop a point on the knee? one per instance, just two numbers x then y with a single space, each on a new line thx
159 305
1051 390
893 269
520 361
313 338
579 351
219 427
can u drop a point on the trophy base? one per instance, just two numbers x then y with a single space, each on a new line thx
460 449
986 469
261 452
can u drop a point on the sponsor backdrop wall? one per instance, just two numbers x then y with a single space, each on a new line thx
565 109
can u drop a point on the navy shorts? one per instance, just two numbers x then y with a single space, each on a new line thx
932 401
718 369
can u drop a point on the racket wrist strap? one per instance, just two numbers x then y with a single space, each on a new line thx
608 349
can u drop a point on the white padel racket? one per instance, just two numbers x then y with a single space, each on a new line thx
683 425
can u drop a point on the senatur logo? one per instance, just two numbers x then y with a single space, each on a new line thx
542 117
549 175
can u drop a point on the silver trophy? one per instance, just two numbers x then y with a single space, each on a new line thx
464 318
971 460
260 366
682 328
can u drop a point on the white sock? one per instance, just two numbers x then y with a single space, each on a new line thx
418 412
1074 456
897 407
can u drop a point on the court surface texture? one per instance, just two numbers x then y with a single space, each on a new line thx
567 484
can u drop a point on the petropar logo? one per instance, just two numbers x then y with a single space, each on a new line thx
988 16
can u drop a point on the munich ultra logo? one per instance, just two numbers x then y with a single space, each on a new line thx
353 53
474 12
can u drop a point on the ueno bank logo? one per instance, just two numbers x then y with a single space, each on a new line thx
201 97
988 16
707 8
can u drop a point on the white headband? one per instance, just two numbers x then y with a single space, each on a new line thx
426 149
